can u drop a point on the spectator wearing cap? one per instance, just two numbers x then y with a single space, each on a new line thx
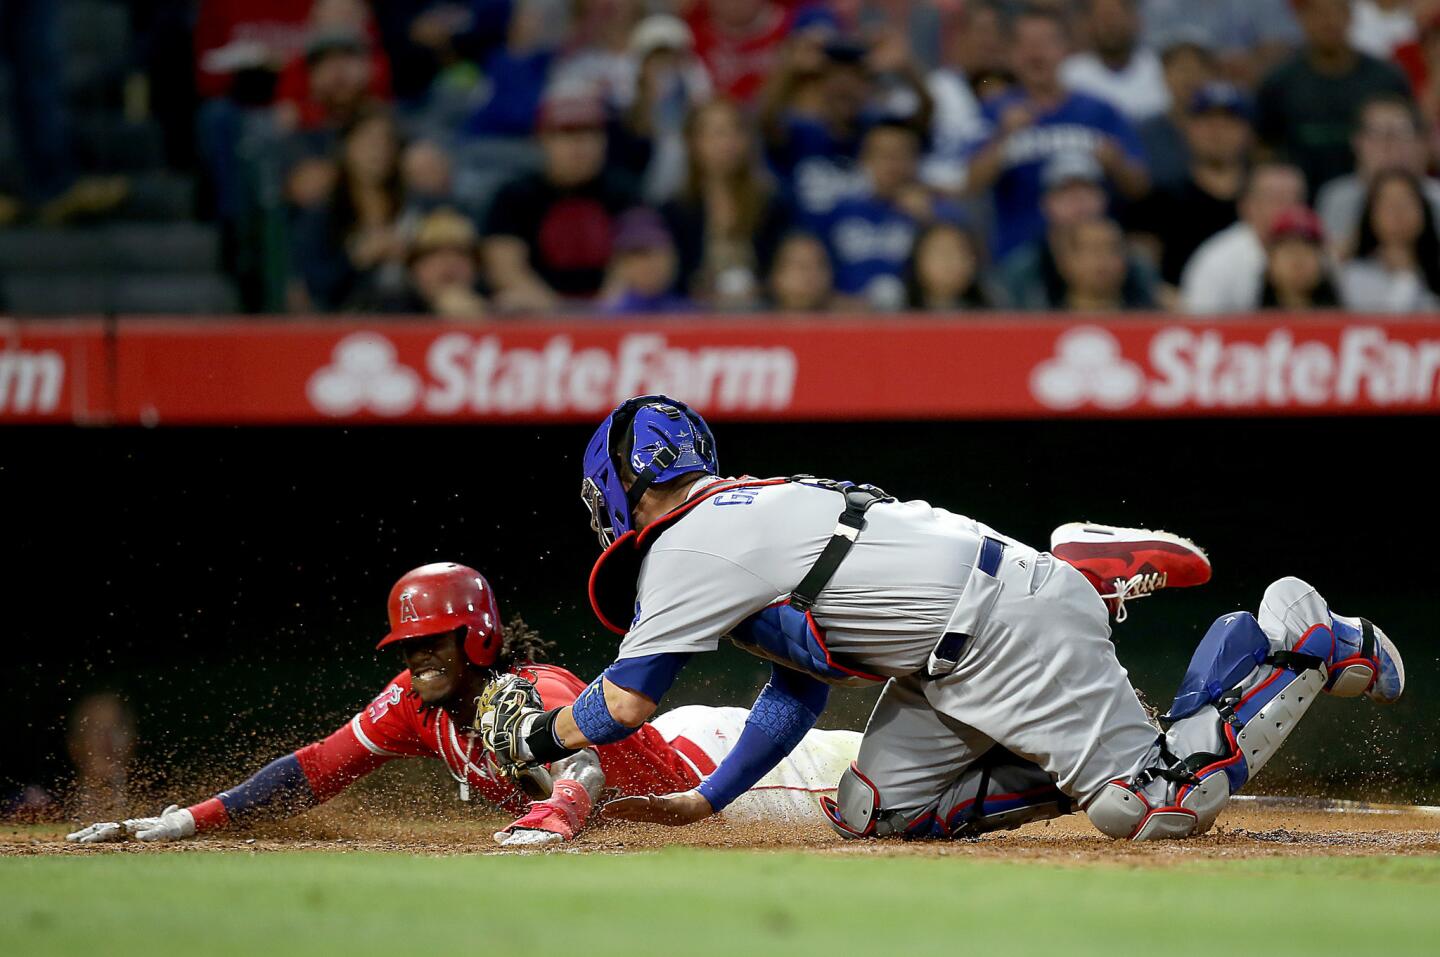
1396 265
1387 136
341 71
1224 275
1179 218
548 233
1247 37
642 268
332 84
739 42
668 83
1117 69
817 155
728 217
1038 120
1091 259
442 272
1306 108
1297 276
1188 63
973 68
1074 193
870 235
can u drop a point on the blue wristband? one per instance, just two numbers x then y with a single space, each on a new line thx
593 718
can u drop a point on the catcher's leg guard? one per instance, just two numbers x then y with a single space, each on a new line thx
1248 683
999 792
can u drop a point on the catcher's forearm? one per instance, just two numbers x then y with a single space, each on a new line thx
603 714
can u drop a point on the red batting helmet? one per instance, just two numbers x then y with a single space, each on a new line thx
441 597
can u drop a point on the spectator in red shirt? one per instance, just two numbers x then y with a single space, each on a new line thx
548 234
1297 277
739 41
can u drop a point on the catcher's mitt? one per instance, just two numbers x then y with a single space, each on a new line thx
503 714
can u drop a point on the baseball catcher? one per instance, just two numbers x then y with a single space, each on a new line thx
1003 698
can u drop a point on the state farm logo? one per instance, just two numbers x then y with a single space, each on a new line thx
364 374
465 374
30 382
1200 368
1087 367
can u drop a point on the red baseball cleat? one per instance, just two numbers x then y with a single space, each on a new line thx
1126 563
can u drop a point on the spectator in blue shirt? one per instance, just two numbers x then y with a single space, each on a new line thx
870 235
817 156
1039 119
1074 193
642 270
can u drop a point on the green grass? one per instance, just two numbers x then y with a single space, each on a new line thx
708 902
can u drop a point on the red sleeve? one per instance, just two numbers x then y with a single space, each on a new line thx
557 686
339 761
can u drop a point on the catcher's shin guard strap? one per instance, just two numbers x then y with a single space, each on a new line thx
999 792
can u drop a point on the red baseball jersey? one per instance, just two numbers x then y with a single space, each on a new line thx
398 725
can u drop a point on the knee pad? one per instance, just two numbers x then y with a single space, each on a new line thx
1240 699
855 811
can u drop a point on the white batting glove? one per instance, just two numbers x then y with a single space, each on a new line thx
173 824
527 838
103 832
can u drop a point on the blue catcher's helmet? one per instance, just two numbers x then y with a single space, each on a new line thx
665 439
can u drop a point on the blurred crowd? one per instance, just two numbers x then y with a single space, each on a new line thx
482 157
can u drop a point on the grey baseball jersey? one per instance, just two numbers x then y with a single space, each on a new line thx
740 551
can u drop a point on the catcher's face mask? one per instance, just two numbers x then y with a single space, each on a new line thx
667 440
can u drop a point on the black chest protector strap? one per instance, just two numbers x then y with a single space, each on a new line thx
858 499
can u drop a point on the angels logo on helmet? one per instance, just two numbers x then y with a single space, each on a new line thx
407 609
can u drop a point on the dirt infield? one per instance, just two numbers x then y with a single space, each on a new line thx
1286 829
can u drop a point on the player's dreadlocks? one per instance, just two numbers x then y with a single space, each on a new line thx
522 643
